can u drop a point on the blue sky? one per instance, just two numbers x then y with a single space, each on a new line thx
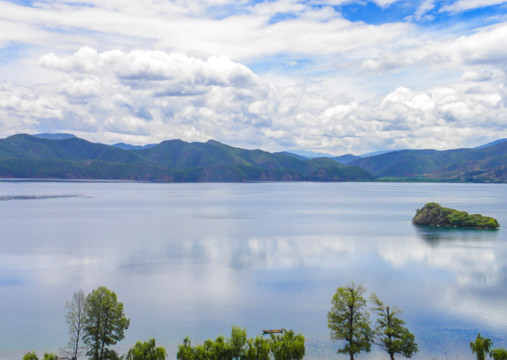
406 11
336 76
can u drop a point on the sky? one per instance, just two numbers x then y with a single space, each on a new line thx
332 76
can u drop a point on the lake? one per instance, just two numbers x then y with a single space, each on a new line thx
194 259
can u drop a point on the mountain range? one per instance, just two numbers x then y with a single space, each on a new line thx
64 156
487 163
68 157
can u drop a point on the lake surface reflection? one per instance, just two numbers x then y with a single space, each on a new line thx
194 259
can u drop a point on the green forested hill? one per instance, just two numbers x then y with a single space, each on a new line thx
485 164
26 156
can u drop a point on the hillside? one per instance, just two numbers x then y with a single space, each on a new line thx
26 156
483 164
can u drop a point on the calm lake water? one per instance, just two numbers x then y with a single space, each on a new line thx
194 259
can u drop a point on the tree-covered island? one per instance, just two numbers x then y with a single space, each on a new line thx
434 214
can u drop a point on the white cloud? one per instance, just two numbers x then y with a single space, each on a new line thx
465 5
477 76
481 47
424 7
186 29
154 65
385 3
149 96
175 69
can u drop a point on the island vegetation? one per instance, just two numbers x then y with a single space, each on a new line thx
433 214
97 322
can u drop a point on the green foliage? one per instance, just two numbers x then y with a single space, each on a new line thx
460 165
481 347
499 354
349 320
104 325
146 351
390 332
434 214
30 356
25 156
257 349
50 356
33 356
237 342
185 351
288 346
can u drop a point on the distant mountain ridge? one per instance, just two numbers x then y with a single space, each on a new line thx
482 164
133 147
347 158
26 156
496 142
57 136
64 156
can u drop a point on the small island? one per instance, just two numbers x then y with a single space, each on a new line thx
434 214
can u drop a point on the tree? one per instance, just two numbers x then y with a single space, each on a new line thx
257 349
104 323
218 349
146 351
499 354
390 332
75 318
481 346
185 351
288 346
50 356
349 320
237 342
30 356
33 356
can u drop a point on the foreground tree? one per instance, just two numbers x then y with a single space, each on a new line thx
104 324
390 332
257 348
283 347
288 346
237 342
50 356
349 320
33 356
30 356
146 351
499 354
185 351
481 346
75 318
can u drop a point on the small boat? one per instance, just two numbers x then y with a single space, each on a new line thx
277 331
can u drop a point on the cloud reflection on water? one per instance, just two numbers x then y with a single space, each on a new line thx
194 259
264 253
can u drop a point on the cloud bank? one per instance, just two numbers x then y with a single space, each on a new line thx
148 96
273 75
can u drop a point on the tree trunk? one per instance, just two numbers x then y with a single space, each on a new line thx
351 331
389 336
